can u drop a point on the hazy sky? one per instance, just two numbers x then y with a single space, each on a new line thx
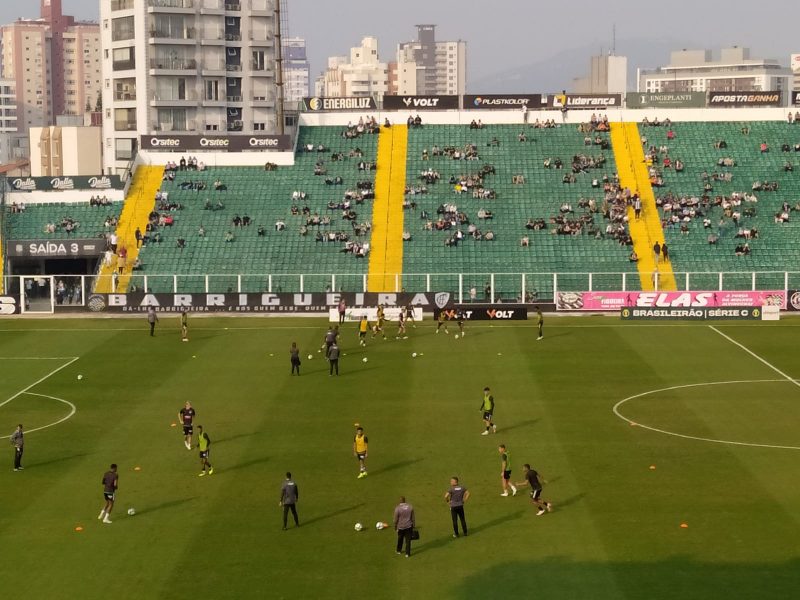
503 34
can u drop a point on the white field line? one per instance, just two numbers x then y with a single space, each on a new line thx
38 381
72 411
756 356
692 437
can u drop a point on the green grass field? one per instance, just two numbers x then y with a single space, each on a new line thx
615 531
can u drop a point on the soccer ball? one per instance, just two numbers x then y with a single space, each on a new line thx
456 336
413 355
365 359
358 527
380 525
310 356
131 511
80 377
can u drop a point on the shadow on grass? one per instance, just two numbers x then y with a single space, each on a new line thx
519 425
237 437
165 505
495 522
395 466
335 513
248 463
60 459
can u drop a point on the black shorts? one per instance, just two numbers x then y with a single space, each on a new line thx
188 430
204 454
361 455
109 497
487 416
535 493
506 475
362 334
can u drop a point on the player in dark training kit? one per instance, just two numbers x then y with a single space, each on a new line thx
110 483
184 326
461 316
186 415
535 480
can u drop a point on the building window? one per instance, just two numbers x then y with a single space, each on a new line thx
259 126
122 29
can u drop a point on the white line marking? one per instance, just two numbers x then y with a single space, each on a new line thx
36 357
37 382
692 437
73 410
756 356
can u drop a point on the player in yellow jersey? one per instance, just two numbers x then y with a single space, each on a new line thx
378 328
442 321
360 445
184 326
363 327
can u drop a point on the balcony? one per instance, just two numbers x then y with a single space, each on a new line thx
125 96
214 68
213 38
187 126
233 68
125 125
121 5
233 7
266 101
188 35
173 64
171 4
233 37
234 99
174 99
123 65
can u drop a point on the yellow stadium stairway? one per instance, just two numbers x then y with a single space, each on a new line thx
646 230
386 248
2 262
139 203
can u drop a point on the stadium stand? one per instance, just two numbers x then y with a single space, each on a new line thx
314 234
531 192
731 204
60 220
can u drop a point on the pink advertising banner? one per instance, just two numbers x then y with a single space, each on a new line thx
599 301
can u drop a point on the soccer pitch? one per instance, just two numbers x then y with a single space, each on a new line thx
670 451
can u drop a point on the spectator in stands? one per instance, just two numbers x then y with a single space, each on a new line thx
229 236
139 237
525 242
180 243
112 240
633 257
665 252
406 236
713 238
122 259
742 249
764 147
280 225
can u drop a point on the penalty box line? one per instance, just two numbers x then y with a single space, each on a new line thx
40 380
756 356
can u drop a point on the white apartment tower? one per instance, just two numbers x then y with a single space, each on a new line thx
362 75
186 66
427 67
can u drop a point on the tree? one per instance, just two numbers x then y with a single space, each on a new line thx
98 107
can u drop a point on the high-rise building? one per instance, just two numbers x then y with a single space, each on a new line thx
8 106
608 74
55 62
363 74
188 66
427 67
698 71
296 70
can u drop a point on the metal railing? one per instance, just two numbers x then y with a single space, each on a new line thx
492 287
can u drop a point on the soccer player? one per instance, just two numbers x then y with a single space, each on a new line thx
381 321
540 322
401 324
456 496
487 406
330 339
204 443
404 523
505 475
410 315
333 358
363 326
186 416
461 315
342 310
184 326
360 446
18 441
294 352
110 484
535 480
290 494
441 321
